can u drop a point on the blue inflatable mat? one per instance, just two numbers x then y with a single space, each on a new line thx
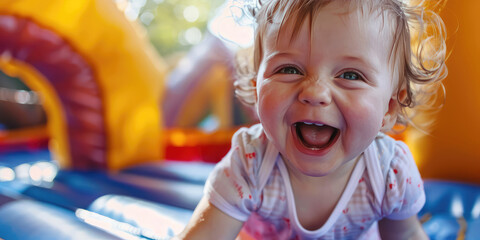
31 220
473 230
179 194
191 172
452 198
74 189
452 210
12 159
150 220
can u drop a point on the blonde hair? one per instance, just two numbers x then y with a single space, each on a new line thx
418 51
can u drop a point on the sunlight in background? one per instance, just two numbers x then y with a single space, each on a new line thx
22 172
6 174
476 209
172 25
457 207
177 25
37 173
233 24
191 36
191 13
117 228
19 96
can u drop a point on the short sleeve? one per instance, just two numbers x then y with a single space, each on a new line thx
404 195
232 186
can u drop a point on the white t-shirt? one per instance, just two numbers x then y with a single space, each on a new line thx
251 184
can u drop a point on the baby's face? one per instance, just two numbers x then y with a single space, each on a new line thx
322 96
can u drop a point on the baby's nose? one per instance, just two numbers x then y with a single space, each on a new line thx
316 94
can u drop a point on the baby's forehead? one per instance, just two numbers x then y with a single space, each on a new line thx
359 13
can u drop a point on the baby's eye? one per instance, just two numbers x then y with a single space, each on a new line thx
350 76
289 70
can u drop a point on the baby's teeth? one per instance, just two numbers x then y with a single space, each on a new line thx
316 124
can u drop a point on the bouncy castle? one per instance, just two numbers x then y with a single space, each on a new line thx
105 140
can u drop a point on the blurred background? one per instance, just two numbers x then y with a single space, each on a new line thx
133 97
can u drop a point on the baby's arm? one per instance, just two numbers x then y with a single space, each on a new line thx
409 228
208 222
404 198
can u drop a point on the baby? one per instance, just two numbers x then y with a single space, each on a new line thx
328 79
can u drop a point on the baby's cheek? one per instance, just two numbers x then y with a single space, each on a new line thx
364 121
370 111
270 101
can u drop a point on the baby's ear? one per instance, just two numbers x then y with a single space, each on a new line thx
394 108
253 83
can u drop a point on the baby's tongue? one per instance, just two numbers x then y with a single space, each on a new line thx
314 136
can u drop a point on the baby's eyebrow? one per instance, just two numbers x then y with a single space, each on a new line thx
277 54
371 66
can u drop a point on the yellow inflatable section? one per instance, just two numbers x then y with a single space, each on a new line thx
100 79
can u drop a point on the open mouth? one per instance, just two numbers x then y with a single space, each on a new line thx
315 136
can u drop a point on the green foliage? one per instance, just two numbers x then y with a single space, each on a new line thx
167 24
